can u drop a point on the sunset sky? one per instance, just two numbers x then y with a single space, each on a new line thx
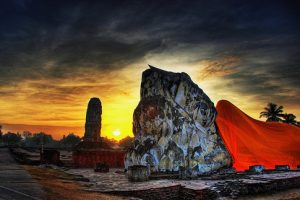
56 55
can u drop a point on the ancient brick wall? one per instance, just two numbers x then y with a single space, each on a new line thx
50 156
175 192
89 158
163 193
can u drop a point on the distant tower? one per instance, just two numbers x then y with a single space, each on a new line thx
93 120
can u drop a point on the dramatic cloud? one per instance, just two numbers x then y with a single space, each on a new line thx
55 55
220 67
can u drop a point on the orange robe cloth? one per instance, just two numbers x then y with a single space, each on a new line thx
253 142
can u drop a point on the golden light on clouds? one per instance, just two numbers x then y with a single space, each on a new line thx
51 66
64 102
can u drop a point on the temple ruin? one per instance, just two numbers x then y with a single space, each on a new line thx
93 120
92 150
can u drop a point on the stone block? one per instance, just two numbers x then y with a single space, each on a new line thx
138 173
256 168
282 167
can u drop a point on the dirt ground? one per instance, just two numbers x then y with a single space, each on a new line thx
291 194
59 185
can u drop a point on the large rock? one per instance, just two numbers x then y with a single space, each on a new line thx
174 126
93 120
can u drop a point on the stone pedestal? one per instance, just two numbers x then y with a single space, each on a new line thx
256 168
282 167
138 173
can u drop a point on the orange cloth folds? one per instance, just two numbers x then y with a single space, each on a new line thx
253 142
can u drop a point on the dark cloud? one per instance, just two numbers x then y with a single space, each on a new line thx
272 76
58 39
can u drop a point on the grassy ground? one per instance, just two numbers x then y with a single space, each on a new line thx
59 185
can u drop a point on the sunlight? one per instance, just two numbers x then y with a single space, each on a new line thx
116 132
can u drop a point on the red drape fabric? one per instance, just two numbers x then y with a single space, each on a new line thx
253 142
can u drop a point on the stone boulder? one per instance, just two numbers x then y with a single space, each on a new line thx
174 126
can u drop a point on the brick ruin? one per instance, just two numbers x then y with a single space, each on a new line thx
92 149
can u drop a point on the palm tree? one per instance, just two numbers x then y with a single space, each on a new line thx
272 112
289 119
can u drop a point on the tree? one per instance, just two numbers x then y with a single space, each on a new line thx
38 139
272 112
125 143
11 138
70 140
289 119
26 134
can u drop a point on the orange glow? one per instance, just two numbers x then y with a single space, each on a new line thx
56 131
59 106
252 142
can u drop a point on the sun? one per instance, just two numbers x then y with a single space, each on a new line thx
116 132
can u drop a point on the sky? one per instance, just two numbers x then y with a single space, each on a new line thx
56 55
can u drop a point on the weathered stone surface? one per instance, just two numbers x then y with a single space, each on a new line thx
138 173
256 168
231 186
93 120
174 126
282 167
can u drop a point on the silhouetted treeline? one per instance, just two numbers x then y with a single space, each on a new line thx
275 113
37 140
126 142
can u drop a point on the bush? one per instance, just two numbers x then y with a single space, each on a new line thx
11 138
125 143
38 140
70 141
